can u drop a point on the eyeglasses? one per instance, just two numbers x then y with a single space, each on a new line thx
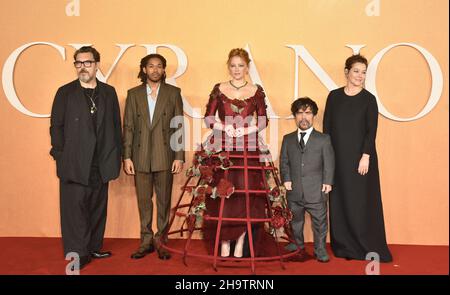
86 63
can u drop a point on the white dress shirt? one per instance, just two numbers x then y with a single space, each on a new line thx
151 101
308 133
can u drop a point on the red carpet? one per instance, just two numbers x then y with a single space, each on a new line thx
44 256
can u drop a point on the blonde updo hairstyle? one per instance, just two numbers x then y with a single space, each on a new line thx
242 53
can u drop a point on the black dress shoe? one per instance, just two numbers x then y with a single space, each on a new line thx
99 255
142 252
163 254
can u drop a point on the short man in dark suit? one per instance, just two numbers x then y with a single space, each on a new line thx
152 151
86 140
307 171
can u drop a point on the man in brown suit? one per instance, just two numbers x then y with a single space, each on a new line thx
152 148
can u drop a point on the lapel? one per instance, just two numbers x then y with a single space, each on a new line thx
295 138
161 101
82 105
142 103
101 104
311 139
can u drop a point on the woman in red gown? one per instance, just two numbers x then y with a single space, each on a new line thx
241 112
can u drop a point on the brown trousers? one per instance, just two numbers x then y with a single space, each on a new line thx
161 181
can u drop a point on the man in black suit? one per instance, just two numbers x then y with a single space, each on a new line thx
85 132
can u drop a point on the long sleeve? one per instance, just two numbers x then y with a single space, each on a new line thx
328 162
327 116
371 126
57 124
261 112
284 162
179 155
128 127
117 120
211 108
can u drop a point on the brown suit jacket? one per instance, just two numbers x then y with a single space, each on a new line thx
147 144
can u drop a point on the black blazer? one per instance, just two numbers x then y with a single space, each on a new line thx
73 136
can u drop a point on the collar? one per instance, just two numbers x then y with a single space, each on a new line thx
150 91
308 131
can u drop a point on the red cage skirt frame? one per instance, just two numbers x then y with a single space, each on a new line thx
183 203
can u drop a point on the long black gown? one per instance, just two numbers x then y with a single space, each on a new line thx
356 211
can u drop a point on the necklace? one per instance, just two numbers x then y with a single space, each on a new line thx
238 87
93 107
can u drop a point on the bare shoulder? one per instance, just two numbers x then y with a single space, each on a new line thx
224 86
252 86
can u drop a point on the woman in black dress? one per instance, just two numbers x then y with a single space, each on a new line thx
356 211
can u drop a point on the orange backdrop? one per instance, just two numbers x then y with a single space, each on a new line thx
413 155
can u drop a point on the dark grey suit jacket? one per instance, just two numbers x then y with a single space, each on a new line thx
307 169
147 144
73 136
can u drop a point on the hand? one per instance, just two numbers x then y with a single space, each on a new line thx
128 166
288 185
230 131
267 159
239 132
326 188
363 167
177 166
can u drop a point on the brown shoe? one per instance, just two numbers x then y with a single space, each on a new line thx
140 253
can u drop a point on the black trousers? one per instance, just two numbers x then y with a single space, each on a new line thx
83 214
